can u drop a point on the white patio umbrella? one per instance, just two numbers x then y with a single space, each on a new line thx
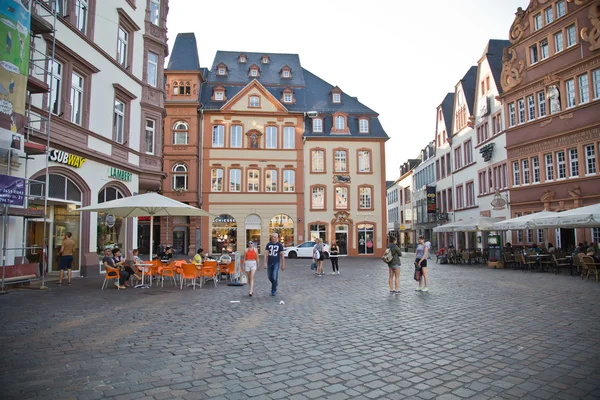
522 222
148 204
582 217
445 228
469 225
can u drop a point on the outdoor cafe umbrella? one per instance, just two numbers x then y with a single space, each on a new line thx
469 225
522 222
148 204
582 217
445 228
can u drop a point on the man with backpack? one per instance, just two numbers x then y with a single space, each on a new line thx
392 258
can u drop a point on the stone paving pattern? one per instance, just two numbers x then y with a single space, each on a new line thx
478 334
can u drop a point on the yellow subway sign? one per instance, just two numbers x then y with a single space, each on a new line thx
63 157
120 174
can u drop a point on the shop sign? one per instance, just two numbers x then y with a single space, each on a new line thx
12 190
431 206
63 157
110 220
224 218
120 174
145 218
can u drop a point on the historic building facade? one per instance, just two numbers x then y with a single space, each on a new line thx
424 196
443 167
407 231
277 150
551 93
103 88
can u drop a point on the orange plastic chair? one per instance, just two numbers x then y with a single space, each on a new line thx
209 271
188 271
111 273
228 269
167 271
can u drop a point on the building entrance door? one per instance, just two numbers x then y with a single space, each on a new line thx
341 238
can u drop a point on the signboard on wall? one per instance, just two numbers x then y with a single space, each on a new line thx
431 204
12 190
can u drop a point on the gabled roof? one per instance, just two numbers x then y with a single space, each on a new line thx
447 106
493 53
469 84
184 56
254 84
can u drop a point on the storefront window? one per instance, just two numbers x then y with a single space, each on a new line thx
253 225
365 239
318 231
224 234
111 230
284 226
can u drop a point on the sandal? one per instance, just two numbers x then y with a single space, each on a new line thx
59 283
69 283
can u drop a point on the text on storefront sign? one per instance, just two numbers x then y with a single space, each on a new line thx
120 174
65 158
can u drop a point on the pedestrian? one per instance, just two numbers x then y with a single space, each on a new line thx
66 258
120 264
421 264
273 258
334 251
428 244
251 265
319 257
109 261
394 267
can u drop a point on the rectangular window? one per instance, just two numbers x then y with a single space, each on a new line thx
559 42
365 198
529 235
341 198
457 159
537 22
340 123
364 126
317 125
561 162
254 100
76 98
590 159
289 180
152 69
271 137
570 89
271 180
505 176
318 161
119 122
450 202
498 124
236 136
595 235
122 43
287 98
560 9
55 81
571 36
533 54
235 180
81 15
584 88
470 194
540 236
511 115
549 167
289 135
541 104
216 180
218 136
525 172
155 12
149 138
530 108
549 14
318 198
574 163
535 162
337 98
596 83
544 53
340 164
253 180
468 152
448 169
516 174
364 161
521 107
482 182
460 203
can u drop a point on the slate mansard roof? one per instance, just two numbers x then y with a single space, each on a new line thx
469 84
447 107
493 53
311 93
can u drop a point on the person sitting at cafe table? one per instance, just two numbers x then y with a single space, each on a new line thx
592 253
197 257
168 254
551 248
120 264
108 261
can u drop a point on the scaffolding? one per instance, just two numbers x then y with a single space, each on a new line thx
37 139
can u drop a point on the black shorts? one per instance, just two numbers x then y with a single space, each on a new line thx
66 262
423 262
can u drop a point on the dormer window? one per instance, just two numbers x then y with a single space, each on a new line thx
288 96
286 72
242 58
219 94
363 125
265 59
254 71
340 123
254 101
337 98
317 125
222 69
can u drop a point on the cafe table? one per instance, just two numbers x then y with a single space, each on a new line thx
538 258
143 285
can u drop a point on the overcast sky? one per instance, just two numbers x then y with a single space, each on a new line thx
399 58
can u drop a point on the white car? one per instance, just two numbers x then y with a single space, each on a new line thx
304 250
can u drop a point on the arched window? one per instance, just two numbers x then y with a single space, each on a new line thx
59 187
224 234
111 230
180 176
181 131
284 225
340 123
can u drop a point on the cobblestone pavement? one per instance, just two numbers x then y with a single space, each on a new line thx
479 333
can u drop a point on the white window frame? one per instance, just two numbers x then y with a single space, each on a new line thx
561 165
364 161
152 69
537 22
289 137
340 123
289 180
288 97
317 198
595 234
76 99
253 181
549 15
583 82
530 107
366 198
559 42
221 71
340 161
119 121
57 71
526 176
535 165
219 95
317 125
318 160
512 118
337 98
81 15
271 180
573 163
178 172
122 47
271 137
571 36
363 125
549 163
596 83
150 129
570 93
341 197
254 101
561 10
534 54
216 180
181 127
236 138
218 136
544 49
541 104
155 12
235 178
286 73
516 173
253 72
590 159
521 110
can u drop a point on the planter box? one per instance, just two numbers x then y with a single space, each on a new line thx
496 264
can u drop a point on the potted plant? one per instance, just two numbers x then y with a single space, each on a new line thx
495 263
